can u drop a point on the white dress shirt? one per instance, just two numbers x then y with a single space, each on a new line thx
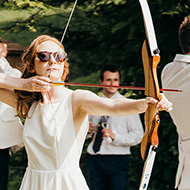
176 75
128 132
10 126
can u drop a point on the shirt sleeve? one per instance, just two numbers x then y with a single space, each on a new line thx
134 132
6 68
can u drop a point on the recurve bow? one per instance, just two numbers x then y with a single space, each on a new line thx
150 58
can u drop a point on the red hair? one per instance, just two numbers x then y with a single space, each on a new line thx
25 98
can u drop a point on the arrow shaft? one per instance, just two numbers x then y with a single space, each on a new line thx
59 83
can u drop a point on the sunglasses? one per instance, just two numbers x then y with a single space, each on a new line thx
44 56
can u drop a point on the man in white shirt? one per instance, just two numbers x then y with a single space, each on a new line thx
108 166
8 123
177 75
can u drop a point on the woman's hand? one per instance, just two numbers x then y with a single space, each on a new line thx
36 84
163 104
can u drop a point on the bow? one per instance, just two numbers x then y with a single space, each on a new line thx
151 58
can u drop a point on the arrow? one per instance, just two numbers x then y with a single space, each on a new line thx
59 83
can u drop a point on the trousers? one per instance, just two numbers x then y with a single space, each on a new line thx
107 172
4 168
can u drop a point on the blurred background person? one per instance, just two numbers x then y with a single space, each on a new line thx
110 146
4 152
177 75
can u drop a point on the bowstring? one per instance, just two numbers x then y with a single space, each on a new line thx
62 38
68 22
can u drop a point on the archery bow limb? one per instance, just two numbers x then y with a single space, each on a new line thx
151 58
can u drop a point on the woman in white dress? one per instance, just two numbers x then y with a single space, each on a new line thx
56 120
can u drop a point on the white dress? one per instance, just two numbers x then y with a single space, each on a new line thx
53 148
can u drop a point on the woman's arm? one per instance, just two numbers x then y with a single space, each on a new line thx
8 97
8 84
88 103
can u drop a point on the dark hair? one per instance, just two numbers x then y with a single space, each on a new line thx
111 68
184 35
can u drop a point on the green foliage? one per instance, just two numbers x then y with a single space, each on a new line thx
101 32
17 166
24 4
